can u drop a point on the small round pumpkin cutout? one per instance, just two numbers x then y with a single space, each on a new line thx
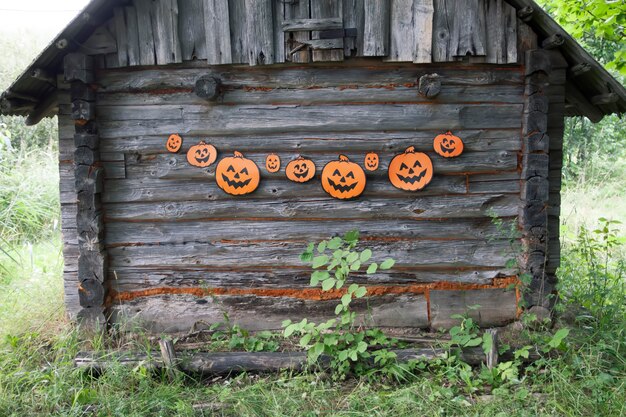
201 155
237 175
410 171
174 143
371 161
272 163
448 145
300 170
343 179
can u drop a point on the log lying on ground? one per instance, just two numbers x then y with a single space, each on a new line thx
220 363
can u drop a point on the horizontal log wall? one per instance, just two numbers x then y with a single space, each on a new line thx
180 250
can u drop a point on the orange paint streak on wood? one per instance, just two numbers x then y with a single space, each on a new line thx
314 294
427 296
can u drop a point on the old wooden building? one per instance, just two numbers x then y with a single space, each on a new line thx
157 239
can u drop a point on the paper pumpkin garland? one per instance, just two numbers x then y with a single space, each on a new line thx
410 171
448 145
371 161
174 143
237 175
201 155
272 163
343 179
300 170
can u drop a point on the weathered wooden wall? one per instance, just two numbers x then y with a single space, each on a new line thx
180 250
262 32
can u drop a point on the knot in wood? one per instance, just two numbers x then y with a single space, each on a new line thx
208 88
429 85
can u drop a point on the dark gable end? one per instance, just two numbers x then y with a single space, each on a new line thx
591 90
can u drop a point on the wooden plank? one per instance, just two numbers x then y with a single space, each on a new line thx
321 9
238 31
497 307
376 28
501 32
314 24
278 35
169 166
132 26
474 140
191 31
217 24
180 231
468 36
354 18
296 12
121 35
115 121
223 254
427 207
260 28
165 30
383 75
146 35
264 313
411 31
129 279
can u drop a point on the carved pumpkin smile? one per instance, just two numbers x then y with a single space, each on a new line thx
410 171
201 155
300 170
448 145
371 161
343 179
174 143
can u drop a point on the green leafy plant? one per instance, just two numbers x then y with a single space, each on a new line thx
237 338
348 346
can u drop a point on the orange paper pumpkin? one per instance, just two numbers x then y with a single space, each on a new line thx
174 143
343 179
300 170
272 163
410 171
371 161
237 175
201 155
448 145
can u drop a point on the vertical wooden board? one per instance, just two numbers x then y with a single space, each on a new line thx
238 31
423 11
165 31
111 60
497 307
468 32
121 35
401 32
443 21
132 35
376 28
501 32
297 10
279 37
323 9
526 40
353 18
146 35
217 24
191 31
260 28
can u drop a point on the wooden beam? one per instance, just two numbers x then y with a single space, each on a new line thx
44 109
578 99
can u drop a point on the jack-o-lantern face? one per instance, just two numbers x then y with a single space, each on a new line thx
448 145
237 175
410 171
371 161
201 155
272 163
343 179
300 170
174 143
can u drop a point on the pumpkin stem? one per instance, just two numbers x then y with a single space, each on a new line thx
410 149
238 154
343 158
449 133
